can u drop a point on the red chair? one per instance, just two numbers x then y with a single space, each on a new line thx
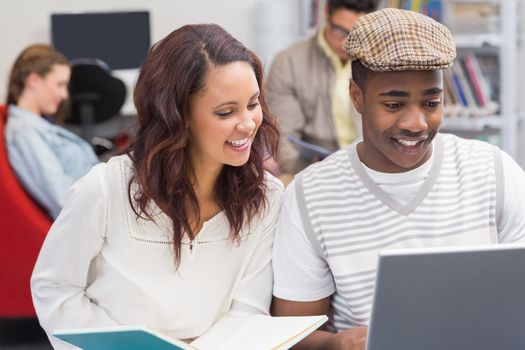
23 229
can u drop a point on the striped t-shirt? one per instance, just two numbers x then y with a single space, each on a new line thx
347 219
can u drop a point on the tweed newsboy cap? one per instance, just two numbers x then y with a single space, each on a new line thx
397 40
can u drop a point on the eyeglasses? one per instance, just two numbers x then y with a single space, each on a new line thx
337 31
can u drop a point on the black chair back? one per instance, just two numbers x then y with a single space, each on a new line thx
95 95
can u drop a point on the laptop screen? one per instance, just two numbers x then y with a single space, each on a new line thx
450 298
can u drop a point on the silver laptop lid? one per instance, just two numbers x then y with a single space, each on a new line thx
449 298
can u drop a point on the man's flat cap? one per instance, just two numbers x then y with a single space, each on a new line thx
397 40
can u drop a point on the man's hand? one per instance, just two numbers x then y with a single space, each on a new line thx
351 339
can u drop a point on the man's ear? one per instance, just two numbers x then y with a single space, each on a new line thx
356 95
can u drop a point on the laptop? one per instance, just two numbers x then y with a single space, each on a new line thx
449 298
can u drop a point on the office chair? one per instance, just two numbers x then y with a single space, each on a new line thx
24 227
96 96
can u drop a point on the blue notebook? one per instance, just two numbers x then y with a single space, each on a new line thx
121 338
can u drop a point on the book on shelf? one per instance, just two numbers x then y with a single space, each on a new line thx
467 91
457 89
474 77
479 84
256 332
431 8
451 104
467 98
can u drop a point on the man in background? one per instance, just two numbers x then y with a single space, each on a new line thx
307 87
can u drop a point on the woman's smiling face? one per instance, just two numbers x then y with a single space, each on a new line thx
224 116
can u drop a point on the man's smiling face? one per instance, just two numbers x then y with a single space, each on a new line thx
401 112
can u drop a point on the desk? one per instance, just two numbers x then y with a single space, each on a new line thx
120 124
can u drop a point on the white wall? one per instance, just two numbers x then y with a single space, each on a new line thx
521 83
24 22
247 20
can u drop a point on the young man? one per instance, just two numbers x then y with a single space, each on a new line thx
307 87
402 185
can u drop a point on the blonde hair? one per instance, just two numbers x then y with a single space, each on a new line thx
37 59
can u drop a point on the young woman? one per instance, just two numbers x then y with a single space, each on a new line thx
177 233
46 158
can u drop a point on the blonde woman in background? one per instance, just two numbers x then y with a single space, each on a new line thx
46 158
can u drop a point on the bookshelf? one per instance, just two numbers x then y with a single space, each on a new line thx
487 32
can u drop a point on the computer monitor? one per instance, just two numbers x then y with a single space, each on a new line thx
120 39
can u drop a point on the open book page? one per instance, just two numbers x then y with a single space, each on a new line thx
254 332
121 337
258 332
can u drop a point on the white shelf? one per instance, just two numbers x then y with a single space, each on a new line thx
478 40
502 43
477 124
474 1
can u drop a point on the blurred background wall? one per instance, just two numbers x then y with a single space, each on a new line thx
266 26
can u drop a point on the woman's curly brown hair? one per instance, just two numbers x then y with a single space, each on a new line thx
172 73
